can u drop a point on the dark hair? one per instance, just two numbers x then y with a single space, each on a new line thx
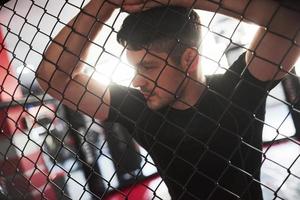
170 29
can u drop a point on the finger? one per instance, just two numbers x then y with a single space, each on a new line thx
141 6
123 2
133 8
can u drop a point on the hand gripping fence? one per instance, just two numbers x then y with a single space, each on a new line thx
54 145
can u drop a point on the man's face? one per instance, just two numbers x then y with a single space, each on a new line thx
156 76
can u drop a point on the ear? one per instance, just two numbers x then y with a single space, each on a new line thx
190 60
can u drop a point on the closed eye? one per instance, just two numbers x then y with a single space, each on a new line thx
148 67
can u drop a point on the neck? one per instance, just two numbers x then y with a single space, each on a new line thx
190 93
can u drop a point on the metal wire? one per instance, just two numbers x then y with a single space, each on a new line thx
49 151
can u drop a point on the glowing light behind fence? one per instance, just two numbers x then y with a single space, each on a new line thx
111 68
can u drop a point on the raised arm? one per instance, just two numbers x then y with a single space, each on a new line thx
60 72
276 46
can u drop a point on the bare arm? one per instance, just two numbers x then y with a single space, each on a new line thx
60 72
276 46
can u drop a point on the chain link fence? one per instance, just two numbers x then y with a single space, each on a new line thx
96 101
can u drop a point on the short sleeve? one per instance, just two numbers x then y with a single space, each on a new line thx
126 106
240 88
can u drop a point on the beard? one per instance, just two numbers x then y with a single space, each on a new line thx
159 97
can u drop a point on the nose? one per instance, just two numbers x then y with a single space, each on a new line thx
139 81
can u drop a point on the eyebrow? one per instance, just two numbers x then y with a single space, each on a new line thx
146 63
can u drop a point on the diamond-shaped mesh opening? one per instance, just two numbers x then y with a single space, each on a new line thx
98 102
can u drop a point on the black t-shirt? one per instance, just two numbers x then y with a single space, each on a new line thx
211 150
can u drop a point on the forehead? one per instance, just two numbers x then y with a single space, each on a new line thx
142 56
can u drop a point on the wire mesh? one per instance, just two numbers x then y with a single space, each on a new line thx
207 138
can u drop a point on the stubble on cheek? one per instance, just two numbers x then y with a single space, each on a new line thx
160 99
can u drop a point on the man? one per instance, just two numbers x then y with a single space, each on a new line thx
203 133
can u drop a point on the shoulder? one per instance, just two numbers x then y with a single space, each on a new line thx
238 75
120 93
125 102
238 87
